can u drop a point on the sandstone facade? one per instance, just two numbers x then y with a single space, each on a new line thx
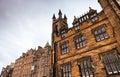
7 71
91 47
34 63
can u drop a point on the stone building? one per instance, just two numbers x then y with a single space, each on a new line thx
7 72
42 62
34 63
22 67
91 47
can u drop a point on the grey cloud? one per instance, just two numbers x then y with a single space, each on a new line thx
25 24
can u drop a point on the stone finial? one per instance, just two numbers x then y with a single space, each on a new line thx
60 13
65 17
53 17
47 44
74 17
90 8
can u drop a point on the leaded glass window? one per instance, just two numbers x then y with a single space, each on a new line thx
64 48
100 33
66 70
111 62
85 67
80 41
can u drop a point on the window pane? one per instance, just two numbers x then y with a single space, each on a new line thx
99 31
70 75
97 38
69 68
81 65
64 75
96 18
66 68
101 37
106 35
84 43
63 33
79 39
103 29
117 62
118 65
109 71
82 38
81 45
95 32
78 46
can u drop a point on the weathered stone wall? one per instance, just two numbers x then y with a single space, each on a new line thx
92 48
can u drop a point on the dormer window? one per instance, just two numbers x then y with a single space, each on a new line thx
77 28
94 17
63 32
76 25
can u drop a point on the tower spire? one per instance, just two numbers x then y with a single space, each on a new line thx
65 16
60 14
53 17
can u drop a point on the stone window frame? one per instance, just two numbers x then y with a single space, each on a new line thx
110 59
85 64
66 69
80 41
63 31
100 33
64 47
77 28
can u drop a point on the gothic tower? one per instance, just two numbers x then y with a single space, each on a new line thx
59 28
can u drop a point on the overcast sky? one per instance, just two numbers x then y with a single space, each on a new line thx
26 24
